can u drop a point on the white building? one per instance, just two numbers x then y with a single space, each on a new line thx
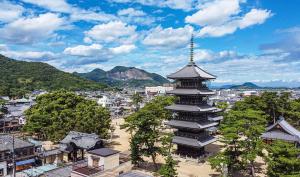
158 90
105 102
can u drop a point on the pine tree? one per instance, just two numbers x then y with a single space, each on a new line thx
241 132
283 160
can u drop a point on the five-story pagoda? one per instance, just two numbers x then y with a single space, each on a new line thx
193 117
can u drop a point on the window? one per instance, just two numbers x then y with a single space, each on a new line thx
95 162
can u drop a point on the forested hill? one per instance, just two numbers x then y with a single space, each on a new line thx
122 76
18 77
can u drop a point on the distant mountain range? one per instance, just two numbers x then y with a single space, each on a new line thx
18 77
246 85
121 76
249 85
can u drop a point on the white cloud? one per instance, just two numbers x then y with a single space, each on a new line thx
28 30
214 12
76 14
134 16
168 37
10 11
220 17
84 50
114 31
254 17
89 15
123 49
217 31
53 5
208 55
28 55
3 47
173 4
131 12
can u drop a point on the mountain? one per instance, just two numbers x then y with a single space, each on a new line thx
20 76
246 85
121 76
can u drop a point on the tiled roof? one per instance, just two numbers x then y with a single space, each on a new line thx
193 142
6 143
191 125
191 71
289 134
82 140
191 92
191 108
104 152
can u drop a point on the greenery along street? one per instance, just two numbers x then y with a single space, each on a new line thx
57 113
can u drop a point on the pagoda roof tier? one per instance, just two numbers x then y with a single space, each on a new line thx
193 142
191 125
191 71
192 108
191 92
215 118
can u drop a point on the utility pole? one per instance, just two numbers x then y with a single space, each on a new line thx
13 154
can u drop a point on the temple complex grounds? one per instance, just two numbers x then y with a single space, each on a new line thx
185 168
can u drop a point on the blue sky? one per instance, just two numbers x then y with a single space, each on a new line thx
237 40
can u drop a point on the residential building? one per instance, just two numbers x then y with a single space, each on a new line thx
24 152
102 162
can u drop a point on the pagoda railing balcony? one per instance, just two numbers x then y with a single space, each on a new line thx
190 102
199 87
197 119
202 136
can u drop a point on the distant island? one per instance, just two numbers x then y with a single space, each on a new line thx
248 85
121 76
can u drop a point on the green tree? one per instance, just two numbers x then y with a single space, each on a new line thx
283 160
57 113
135 151
137 99
146 126
222 105
241 132
292 115
169 168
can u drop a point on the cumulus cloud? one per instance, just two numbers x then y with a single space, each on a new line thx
27 55
134 16
53 5
214 12
84 50
173 4
10 11
168 37
131 12
114 31
76 14
32 29
122 49
220 17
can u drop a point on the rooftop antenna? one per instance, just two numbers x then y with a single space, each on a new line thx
192 49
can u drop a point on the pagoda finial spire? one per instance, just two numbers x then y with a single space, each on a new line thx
192 49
